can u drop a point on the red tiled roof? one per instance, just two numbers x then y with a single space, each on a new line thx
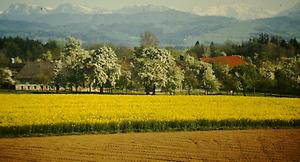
231 61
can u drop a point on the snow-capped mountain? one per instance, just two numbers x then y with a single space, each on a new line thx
68 8
61 15
294 11
124 26
72 13
239 11
25 9
142 9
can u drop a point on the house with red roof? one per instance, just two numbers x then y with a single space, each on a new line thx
231 61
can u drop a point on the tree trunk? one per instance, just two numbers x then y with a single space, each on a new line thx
90 87
83 85
153 91
244 92
148 90
254 90
57 88
101 90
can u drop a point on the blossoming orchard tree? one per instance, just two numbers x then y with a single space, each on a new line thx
102 68
6 80
77 67
68 69
157 68
73 58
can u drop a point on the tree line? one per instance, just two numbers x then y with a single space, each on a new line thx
151 68
273 66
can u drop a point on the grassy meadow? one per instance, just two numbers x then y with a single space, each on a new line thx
31 114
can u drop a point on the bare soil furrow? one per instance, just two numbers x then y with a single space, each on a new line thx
235 145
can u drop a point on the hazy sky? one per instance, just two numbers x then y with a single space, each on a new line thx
185 5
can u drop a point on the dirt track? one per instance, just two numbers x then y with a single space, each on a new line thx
244 145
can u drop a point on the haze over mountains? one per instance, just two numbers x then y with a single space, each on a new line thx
124 26
239 11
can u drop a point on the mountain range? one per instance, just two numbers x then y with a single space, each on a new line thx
124 26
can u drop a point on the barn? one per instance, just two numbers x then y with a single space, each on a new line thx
35 76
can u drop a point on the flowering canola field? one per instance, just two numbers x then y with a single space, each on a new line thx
26 114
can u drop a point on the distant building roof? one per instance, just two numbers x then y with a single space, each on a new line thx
33 69
231 61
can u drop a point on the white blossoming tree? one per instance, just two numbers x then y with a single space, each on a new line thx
208 80
103 68
199 74
69 69
74 58
6 80
157 68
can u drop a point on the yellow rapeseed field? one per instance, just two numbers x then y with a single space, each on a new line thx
17 110
28 109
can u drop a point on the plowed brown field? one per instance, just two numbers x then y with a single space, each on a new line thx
235 145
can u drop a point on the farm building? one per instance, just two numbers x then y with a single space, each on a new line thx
35 87
35 76
231 61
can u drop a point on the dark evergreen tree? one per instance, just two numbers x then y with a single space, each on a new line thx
213 50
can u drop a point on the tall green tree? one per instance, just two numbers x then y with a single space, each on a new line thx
198 50
266 80
47 56
199 74
247 76
55 47
191 71
60 73
227 81
126 81
4 60
175 77
148 39
208 80
213 49
287 75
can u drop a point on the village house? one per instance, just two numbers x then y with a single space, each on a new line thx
35 76
37 87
